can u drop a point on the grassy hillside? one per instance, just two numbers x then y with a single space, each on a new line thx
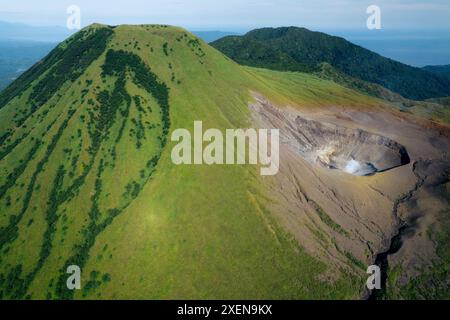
298 49
86 176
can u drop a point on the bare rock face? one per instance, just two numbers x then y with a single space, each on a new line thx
354 151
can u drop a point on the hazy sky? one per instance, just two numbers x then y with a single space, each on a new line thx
234 14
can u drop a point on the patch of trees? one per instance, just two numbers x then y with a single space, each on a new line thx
8 148
196 47
137 102
139 132
132 189
116 64
51 218
74 60
10 232
153 162
109 103
166 48
17 172
12 285
5 135
56 197
93 229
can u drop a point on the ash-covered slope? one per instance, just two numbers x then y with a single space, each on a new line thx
358 219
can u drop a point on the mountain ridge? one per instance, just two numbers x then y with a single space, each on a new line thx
299 49
439 69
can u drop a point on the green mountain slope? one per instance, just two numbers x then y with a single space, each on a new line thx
86 176
441 70
298 49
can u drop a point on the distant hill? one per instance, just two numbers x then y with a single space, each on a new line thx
16 56
299 49
441 70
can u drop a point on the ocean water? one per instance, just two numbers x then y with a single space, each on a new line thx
414 47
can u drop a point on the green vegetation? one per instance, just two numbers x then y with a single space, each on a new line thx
298 49
65 64
355 261
79 189
71 65
10 232
116 65
441 70
328 221
116 61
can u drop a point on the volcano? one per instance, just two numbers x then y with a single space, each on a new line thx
86 177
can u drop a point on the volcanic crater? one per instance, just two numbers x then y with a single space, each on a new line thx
354 151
